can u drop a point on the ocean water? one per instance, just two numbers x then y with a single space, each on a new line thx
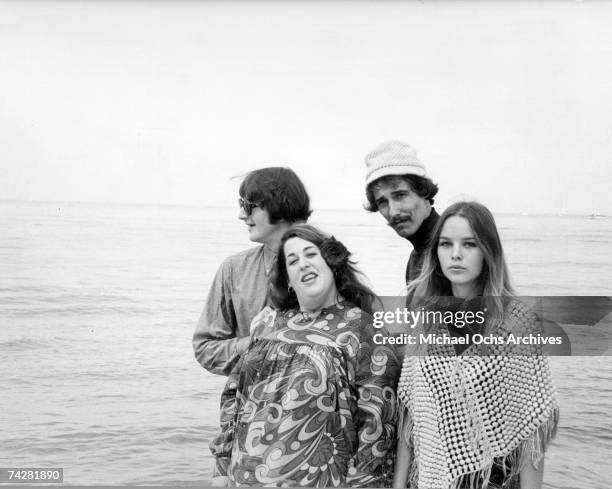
98 303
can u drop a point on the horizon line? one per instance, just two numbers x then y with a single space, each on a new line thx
165 204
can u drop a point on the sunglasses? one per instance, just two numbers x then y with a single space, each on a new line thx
247 205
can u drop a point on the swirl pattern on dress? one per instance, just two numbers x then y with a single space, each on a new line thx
308 401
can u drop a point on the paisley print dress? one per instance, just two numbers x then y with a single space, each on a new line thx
311 403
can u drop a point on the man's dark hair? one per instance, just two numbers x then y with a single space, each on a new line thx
279 191
422 186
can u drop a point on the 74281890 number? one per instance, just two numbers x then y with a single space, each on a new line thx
31 475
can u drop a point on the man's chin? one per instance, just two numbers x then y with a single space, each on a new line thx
404 230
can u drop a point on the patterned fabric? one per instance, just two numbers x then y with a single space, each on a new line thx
311 403
492 409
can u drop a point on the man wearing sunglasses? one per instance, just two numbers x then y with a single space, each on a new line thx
271 200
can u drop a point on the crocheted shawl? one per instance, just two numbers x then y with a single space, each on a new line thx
492 402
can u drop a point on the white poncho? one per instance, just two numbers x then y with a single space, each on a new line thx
492 402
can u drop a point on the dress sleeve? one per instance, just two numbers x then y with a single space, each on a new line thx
215 344
376 381
221 445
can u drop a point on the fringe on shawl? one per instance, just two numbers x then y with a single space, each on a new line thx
406 434
405 423
531 450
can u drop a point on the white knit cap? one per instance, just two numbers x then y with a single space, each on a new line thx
392 158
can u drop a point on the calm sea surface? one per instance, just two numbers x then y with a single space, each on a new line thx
98 304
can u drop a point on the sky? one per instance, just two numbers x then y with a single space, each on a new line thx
163 102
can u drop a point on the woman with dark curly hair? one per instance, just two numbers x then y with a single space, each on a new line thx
312 401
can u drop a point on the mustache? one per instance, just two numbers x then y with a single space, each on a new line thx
395 220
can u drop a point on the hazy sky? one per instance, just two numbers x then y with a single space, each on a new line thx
162 102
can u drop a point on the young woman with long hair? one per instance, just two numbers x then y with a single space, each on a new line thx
475 414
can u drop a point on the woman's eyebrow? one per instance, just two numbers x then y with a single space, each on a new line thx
464 238
304 249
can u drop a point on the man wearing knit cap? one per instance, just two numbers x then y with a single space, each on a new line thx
397 186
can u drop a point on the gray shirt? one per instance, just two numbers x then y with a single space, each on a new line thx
238 292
